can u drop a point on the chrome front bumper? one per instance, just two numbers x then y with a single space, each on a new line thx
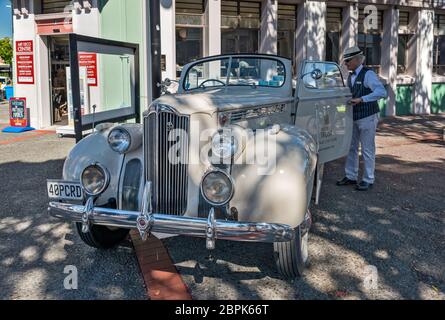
147 222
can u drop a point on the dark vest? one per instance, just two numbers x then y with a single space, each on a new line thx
358 90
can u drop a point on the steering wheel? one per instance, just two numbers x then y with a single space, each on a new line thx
208 80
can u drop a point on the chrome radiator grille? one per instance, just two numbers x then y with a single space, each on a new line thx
169 179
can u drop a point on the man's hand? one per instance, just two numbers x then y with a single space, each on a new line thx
355 101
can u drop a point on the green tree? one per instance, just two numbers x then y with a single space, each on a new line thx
6 50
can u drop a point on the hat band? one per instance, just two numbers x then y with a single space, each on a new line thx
349 55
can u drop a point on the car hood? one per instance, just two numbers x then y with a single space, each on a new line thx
213 100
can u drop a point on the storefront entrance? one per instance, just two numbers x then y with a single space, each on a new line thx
58 63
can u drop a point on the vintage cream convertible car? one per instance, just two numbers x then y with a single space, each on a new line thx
235 154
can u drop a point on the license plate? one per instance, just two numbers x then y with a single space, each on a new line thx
63 190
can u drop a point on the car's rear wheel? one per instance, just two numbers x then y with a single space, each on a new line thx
102 237
291 257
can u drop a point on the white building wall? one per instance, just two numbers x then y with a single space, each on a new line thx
24 29
87 22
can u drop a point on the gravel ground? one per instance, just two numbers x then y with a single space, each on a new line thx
35 249
398 227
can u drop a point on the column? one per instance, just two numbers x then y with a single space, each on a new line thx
349 35
269 27
168 36
212 30
300 35
310 35
390 42
316 30
424 63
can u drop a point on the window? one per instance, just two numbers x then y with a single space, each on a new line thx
55 6
333 32
240 23
286 30
322 75
405 36
402 53
188 46
439 55
189 32
439 45
370 41
240 14
243 71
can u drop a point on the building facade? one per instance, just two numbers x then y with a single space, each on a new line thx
404 42
41 55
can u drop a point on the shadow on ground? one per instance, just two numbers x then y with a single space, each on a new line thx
35 249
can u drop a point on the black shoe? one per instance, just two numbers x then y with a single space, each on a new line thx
346 182
364 186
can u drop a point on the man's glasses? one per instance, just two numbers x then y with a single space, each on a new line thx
348 60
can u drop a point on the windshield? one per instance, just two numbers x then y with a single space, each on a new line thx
236 71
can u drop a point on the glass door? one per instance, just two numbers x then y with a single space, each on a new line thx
109 72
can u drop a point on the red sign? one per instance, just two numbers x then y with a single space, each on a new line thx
89 60
24 47
18 115
25 62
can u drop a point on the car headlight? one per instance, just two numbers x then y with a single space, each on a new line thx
94 179
228 142
217 187
119 140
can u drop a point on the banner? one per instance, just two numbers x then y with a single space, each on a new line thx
25 62
89 61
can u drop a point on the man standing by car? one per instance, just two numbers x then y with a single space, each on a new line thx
366 90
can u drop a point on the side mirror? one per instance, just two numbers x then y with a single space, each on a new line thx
167 82
316 74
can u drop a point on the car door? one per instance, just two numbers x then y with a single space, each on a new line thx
322 108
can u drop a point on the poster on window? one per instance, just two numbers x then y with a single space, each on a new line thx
89 61
18 116
25 62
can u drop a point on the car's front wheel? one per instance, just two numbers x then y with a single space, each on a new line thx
291 257
102 237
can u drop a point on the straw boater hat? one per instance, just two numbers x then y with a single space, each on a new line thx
352 52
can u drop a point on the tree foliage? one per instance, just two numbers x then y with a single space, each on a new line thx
6 50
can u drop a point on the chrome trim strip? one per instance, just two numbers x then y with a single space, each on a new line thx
187 226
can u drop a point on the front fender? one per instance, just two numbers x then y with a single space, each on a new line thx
95 148
282 193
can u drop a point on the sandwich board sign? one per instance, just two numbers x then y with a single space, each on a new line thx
18 116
